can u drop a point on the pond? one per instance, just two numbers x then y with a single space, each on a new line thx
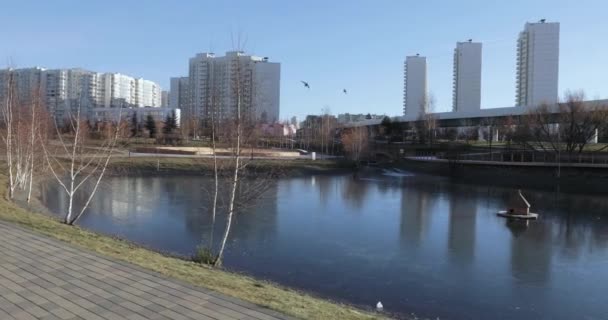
420 244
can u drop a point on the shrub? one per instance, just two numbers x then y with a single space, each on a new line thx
204 255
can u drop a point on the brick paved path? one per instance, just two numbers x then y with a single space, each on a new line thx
42 278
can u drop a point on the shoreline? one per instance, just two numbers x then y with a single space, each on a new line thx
35 216
204 166
572 180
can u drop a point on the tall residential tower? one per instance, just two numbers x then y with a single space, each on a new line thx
179 94
212 82
415 86
538 64
466 95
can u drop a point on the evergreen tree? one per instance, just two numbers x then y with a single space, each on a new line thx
387 125
170 123
151 126
134 125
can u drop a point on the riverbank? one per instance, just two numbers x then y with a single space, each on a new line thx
570 180
263 293
204 166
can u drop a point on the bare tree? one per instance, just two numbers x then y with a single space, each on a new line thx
490 130
10 135
355 141
427 120
21 121
214 109
38 122
74 163
238 94
568 127
580 124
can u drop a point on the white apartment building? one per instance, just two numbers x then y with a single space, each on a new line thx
148 94
64 90
213 80
179 94
415 93
538 64
120 91
466 95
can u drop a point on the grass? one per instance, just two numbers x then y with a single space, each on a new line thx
270 295
189 165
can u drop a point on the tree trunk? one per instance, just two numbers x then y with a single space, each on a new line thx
235 177
215 178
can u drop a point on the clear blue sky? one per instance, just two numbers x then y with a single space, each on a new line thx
357 45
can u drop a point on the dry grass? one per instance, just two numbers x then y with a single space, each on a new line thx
186 164
263 293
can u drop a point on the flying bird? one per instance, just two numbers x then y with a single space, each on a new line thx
344 90
306 85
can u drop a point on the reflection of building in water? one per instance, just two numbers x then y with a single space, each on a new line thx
461 230
415 213
531 253
354 191
326 187
257 221
126 198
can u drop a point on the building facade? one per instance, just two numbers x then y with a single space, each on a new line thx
415 92
348 118
538 64
213 84
466 94
179 94
126 114
64 91
164 99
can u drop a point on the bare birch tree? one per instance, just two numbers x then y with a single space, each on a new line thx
7 117
238 84
74 163
21 121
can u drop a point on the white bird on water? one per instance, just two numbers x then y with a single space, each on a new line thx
379 306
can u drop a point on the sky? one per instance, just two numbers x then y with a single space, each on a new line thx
334 45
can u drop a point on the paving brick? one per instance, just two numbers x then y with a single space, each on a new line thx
42 278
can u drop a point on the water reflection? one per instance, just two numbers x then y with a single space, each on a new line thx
461 231
414 215
420 244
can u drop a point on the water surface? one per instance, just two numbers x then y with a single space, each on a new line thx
419 244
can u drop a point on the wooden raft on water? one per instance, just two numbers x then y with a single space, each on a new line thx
519 210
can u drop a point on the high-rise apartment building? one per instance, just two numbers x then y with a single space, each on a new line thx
466 95
415 86
164 99
63 91
538 64
26 82
148 93
179 94
213 86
